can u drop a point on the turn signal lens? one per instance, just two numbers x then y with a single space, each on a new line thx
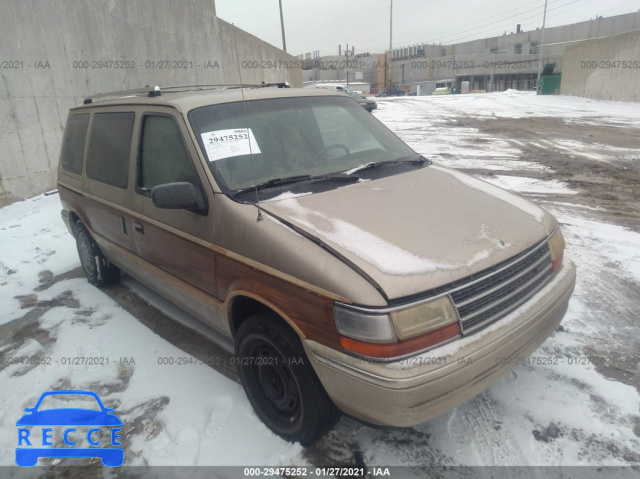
369 327
402 348
398 333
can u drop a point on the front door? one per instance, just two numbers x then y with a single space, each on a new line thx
178 242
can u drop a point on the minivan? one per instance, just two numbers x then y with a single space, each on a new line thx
351 274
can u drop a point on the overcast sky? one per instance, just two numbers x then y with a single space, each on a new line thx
324 24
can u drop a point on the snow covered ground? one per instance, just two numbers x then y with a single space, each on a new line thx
173 415
571 410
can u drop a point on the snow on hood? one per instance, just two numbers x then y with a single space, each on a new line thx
419 230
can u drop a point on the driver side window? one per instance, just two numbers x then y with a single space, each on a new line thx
164 157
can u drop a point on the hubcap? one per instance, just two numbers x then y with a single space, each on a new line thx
275 382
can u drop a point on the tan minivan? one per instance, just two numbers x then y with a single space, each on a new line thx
351 273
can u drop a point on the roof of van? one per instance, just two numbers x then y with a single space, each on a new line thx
186 100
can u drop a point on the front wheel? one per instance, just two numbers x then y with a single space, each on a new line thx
281 385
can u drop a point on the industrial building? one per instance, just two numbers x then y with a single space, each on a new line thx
490 64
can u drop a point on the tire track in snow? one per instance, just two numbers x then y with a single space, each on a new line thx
476 423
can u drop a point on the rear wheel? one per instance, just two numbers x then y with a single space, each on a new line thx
281 385
96 267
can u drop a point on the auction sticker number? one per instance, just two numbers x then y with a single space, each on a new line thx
222 144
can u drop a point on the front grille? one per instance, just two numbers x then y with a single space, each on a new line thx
493 296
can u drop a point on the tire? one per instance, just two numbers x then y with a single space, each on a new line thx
279 381
96 267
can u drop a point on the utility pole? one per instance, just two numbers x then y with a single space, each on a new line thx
347 54
390 43
544 21
284 42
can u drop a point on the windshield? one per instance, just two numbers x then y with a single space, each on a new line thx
261 140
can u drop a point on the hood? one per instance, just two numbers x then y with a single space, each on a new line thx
419 230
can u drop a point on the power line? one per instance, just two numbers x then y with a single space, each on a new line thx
457 38
608 10
487 18
405 42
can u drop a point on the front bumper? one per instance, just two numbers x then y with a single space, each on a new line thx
416 389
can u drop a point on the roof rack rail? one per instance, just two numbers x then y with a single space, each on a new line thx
157 91
136 91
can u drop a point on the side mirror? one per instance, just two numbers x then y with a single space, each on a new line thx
176 196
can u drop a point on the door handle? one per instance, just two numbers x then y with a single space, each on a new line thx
138 228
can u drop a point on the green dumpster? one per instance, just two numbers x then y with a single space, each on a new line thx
549 85
549 82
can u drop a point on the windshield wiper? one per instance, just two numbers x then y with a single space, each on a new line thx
296 179
407 159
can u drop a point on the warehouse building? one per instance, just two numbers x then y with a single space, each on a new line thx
491 64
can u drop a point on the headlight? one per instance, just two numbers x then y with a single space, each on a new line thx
556 245
424 318
397 332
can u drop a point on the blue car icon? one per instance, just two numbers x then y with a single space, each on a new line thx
28 456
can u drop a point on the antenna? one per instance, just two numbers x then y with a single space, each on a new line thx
246 123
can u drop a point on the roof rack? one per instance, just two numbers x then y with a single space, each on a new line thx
157 91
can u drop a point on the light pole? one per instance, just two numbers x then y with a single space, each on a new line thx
284 42
544 21
390 42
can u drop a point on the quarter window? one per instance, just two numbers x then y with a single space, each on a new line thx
73 143
163 155
109 147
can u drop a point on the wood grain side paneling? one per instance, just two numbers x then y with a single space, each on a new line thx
187 260
309 311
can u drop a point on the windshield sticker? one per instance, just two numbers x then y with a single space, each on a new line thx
227 143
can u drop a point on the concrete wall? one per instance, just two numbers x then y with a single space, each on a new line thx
603 69
256 60
62 50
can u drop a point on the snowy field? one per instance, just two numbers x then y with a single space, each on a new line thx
571 410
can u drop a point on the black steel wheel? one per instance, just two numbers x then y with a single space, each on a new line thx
98 270
281 385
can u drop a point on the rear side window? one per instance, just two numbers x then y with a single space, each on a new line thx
73 143
109 146
163 157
